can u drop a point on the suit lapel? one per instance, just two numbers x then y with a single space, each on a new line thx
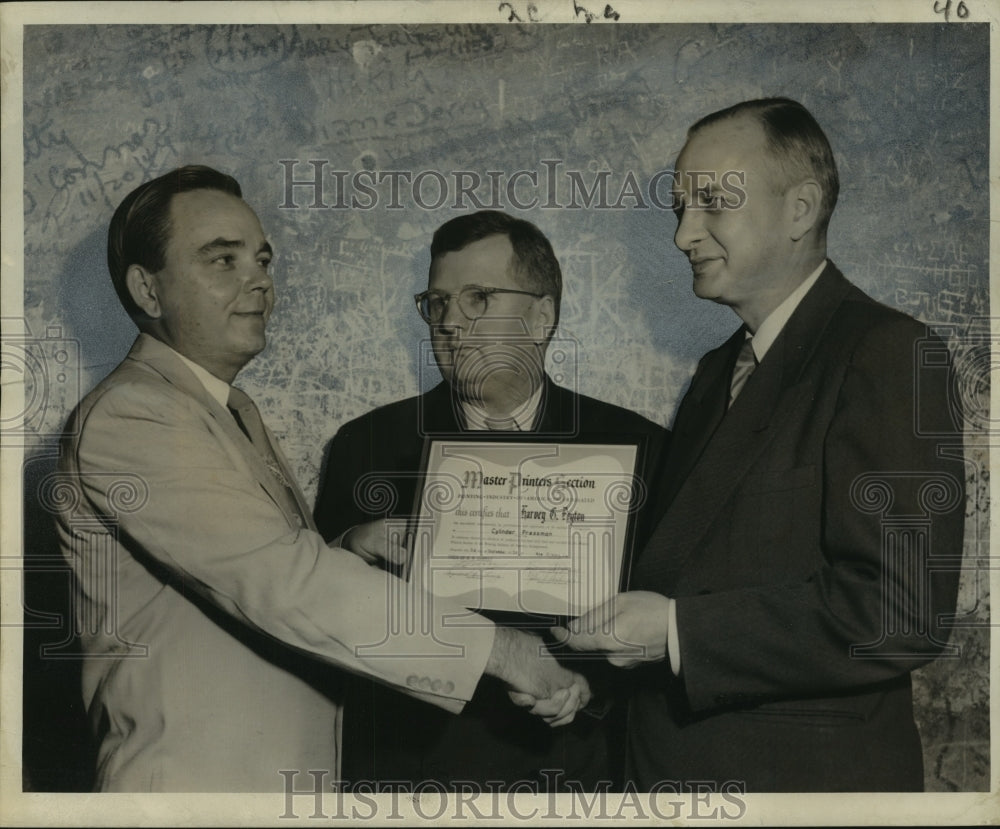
722 454
699 415
438 412
554 414
274 488
161 359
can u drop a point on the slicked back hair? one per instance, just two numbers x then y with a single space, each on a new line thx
140 227
796 143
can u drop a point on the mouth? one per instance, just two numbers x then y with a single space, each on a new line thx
699 265
454 353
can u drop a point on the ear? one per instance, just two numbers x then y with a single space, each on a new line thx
545 310
806 203
142 287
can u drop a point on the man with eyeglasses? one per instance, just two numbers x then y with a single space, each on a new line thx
492 304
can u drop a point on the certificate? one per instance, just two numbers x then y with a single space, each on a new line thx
526 527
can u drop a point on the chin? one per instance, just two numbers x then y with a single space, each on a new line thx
459 386
253 348
705 288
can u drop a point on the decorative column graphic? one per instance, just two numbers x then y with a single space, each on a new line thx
94 541
909 561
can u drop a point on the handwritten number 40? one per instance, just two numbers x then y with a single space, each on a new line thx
961 10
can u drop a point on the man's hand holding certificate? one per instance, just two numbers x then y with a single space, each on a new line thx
377 542
629 629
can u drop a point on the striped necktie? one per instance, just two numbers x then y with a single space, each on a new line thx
247 417
746 362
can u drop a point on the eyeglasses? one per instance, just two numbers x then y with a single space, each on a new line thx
473 302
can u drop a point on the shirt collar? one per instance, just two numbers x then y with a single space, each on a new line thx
218 389
771 327
478 419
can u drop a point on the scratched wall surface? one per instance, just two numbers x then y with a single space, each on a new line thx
544 116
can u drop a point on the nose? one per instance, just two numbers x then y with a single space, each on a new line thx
259 278
690 229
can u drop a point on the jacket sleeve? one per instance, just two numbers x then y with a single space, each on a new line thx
204 520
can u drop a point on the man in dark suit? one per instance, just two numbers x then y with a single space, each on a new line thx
807 553
492 304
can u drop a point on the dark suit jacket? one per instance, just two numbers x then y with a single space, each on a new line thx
386 736
811 537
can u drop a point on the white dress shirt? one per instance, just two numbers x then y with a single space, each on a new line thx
219 389
478 419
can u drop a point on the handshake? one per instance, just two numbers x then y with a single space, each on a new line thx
534 677
628 630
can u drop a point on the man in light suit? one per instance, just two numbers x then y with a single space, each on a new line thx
492 305
205 598
807 556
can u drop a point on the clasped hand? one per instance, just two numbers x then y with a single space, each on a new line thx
535 678
377 542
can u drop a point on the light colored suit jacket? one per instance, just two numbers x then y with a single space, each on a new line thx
190 575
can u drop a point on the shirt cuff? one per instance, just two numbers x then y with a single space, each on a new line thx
673 640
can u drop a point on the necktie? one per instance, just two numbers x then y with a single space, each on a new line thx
746 362
247 417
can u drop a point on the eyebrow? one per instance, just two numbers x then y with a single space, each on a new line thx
708 190
220 243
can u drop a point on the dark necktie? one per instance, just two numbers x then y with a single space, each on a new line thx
746 362
247 417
